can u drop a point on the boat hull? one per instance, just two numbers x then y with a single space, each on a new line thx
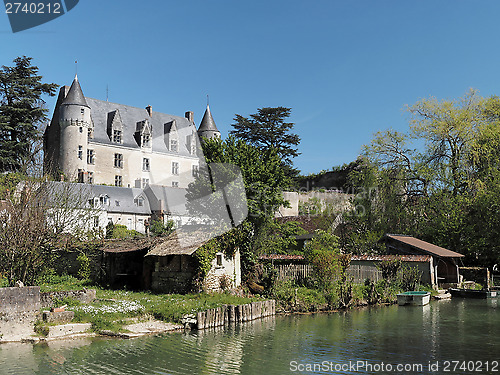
471 293
414 298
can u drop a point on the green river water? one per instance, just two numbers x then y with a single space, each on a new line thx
445 337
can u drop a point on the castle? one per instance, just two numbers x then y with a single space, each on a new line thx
97 142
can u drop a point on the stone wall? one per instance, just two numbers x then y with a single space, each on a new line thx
224 276
173 274
15 300
18 311
333 200
84 296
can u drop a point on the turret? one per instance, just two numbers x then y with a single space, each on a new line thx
74 122
207 127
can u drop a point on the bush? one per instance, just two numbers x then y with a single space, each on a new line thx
158 228
120 231
84 266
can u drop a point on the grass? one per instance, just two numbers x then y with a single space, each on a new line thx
113 308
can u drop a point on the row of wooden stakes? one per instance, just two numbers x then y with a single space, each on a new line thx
235 314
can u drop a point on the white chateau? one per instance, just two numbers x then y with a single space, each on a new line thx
146 159
98 142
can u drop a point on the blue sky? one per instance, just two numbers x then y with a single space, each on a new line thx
346 68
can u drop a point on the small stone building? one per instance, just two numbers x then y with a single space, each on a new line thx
171 267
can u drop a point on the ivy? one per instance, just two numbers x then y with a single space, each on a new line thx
226 243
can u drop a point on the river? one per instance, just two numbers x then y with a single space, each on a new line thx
445 337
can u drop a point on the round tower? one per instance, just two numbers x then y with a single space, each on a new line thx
74 122
207 127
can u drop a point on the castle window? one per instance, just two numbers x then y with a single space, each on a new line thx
119 161
80 152
82 111
80 175
90 156
145 182
146 140
195 171
145 164
96 221
173 145
90 178
175 184
117 136
175 168
118 181
80 129
90 133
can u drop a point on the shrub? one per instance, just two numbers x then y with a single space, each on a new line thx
159 229
84 266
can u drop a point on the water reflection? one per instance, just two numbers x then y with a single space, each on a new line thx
445 330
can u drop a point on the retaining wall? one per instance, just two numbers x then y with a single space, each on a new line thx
235 314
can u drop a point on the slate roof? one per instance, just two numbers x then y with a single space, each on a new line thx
423 246
75 94
125 198
207 123
84 192
130 116
173 199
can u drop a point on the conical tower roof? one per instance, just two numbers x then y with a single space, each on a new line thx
208 123
75 94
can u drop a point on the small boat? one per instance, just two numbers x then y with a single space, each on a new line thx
414 298
472 293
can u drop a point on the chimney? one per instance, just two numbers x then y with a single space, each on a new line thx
150 110
189 115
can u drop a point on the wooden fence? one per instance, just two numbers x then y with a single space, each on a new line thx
294 271
235 314
299 272
361 273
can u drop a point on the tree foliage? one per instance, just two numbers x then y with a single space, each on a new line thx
439 180
21 113
267 129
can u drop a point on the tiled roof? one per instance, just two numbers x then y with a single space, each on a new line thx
281 257
404 258
424 246
183 241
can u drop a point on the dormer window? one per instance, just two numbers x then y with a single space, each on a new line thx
173 145
115 127
146 140
139 201
104 200
117 136
171 137
143 134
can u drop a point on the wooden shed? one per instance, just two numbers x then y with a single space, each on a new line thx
445 261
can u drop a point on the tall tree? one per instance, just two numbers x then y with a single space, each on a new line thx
443 187
21 112
267 129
